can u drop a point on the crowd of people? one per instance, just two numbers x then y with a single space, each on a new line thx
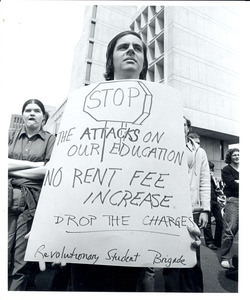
30 149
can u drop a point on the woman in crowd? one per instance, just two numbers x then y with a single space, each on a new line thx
29 150
230 177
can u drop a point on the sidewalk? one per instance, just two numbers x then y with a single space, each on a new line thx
214 277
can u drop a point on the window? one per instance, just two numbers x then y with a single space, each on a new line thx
94 11
88 71
92 29
90 52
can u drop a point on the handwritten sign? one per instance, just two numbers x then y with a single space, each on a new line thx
116 191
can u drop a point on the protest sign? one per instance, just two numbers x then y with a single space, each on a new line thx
116 191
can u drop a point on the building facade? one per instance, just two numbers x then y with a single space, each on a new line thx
194 49
16 121
191 48
101 24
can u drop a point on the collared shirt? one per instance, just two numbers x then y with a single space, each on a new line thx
36 148
190 156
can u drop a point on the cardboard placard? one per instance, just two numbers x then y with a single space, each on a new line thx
116 191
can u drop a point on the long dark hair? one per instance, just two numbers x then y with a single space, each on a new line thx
40 104
109 74
35 101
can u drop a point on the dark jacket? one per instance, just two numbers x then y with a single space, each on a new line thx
229 175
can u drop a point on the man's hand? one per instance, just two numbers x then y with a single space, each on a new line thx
42 263
203 220
195 233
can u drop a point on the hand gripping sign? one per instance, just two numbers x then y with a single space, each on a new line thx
116 191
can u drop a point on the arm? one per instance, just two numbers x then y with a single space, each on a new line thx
32 173
21 165
229 179
195 233
205 183
15 164
204 191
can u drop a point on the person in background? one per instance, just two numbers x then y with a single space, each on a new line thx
191 279
230 177
199 175
213 243
30 149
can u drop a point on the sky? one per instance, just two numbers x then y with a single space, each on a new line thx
37 41
37 48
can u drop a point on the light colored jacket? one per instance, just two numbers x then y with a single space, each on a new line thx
199 174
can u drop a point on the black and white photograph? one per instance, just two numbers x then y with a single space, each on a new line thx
124 122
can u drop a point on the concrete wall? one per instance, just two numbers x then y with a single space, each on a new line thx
202 63
214 153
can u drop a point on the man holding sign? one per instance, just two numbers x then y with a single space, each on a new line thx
117 207
126 59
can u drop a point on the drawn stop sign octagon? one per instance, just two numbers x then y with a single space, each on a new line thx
125 101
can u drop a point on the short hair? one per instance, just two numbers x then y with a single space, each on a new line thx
211 165
228 158
188 122
109 74
194 135
35 101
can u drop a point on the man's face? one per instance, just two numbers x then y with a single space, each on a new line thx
197 140
128 57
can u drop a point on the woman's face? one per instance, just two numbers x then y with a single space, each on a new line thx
235 157
33 116
128 57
